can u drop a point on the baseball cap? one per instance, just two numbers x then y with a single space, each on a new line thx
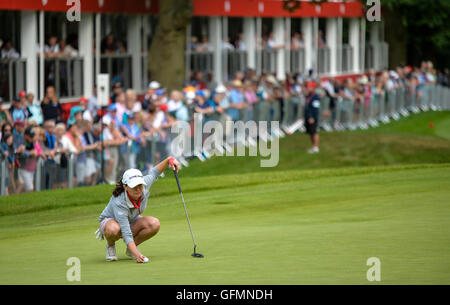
161 92
112 107
200 92
133 177
163 107
22 94
311 84
154 85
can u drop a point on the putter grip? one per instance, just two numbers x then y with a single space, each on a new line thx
171 162
175 173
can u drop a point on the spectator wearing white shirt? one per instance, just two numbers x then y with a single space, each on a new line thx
8 51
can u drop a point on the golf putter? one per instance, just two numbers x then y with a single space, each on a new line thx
195 254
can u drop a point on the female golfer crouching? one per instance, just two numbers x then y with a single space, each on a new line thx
121 218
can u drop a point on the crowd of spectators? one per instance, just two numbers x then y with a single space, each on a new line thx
266 42
33 130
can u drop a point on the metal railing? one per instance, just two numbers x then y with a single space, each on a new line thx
347 58
297 61
267 60
12 77
323 60
65 74
117 66
199 61
234 61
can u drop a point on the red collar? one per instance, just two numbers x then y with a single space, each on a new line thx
137 204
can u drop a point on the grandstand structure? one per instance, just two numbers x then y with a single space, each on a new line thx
335 40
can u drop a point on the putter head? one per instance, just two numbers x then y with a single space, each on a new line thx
197 255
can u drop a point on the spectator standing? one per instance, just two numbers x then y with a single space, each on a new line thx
150 96
311 116
51 146
61 158
237 100
176 107
92 104
28 161
5 116
89 154
72 143
201 104
18 112
134 133
7 151
8 51
34 109
121 108
117 90
51 108
18 135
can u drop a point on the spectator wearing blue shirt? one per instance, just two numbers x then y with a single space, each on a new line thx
17 112
201 104
133 132
237 100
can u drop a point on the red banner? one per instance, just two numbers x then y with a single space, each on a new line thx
231 8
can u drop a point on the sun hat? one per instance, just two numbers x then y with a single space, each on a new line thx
236 83
106 120
271 79
221 89
133 177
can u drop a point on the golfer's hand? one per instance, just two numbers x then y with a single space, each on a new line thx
176 164
140 259
311 121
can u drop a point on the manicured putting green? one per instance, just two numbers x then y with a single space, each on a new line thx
291 227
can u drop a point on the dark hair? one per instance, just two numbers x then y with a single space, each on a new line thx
6 136
119 189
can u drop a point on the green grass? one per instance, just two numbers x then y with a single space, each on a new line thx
407 141
312 220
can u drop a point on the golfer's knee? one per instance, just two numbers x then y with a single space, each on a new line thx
112 229
154 224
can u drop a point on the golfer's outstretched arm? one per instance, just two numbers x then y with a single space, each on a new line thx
162 166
